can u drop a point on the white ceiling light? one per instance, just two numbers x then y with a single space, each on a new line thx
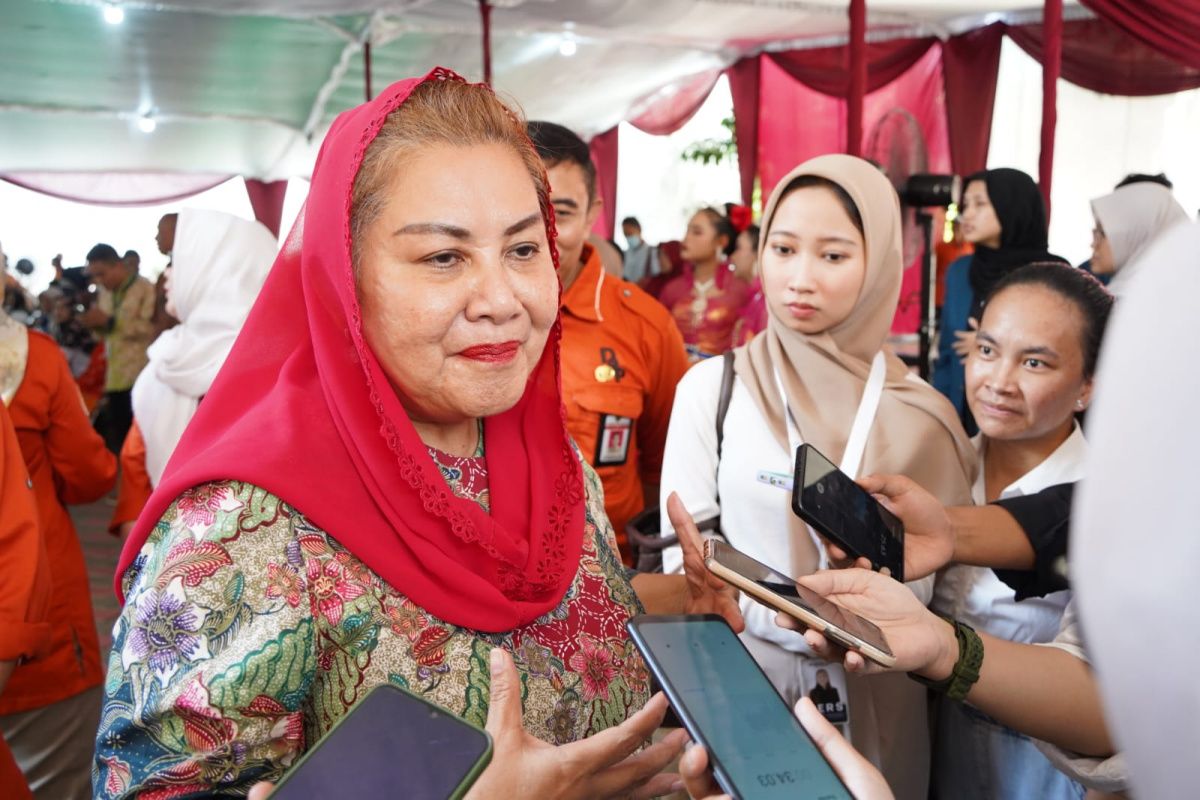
569 45
113 14
147 123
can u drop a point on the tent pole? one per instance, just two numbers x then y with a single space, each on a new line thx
857 84
1052 33
485 15
367 68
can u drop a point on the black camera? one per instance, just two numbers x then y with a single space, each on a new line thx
926 191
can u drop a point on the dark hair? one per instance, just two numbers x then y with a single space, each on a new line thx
132 254
724 228
810 181
556 144
755 232
1139 177
1080 287
103 252
631 221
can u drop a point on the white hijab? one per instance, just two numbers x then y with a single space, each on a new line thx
1133 217
218 266
1135 538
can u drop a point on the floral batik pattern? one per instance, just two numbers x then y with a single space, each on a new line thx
248 632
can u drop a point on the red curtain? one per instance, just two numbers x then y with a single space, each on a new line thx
825 68
1052 28
604 156
970 67
857 86
744 85
673 111
266 198
1100 56
1170 27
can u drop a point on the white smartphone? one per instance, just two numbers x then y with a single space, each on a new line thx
772 588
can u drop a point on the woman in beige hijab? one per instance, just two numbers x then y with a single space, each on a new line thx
831 265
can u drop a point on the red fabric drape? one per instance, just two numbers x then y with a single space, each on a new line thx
673 111
857 88
1101 57
485 19
266 198
970 67
1171 27
824 68
604 156
1052 23
744 86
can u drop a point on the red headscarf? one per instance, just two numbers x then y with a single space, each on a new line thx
303 409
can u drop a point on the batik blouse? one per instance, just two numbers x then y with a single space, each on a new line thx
248 632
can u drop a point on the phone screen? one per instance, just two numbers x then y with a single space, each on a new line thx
390 741
812 602
826 498
728 705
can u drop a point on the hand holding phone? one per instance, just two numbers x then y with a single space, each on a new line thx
842 511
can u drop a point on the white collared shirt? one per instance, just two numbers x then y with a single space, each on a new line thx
975 595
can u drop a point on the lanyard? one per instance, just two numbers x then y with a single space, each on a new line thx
856 445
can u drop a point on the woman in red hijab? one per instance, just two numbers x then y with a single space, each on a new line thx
379 487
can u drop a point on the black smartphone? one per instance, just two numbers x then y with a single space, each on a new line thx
391 741
757 749
845 513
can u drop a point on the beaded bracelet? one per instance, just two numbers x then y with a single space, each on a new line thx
966 668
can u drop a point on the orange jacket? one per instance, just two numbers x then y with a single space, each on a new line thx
24 580
134 488
622 356
68 463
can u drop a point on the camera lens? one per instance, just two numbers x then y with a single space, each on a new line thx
820 488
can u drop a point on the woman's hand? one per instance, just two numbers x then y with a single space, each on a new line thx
964 341
921 641
602 766
706 593
860 776
928 534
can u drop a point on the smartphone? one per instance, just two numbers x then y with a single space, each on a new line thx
391 741
773 588
757 749
845 513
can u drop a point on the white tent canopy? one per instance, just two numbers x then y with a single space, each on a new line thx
249 87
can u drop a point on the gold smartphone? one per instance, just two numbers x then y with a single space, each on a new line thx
774 589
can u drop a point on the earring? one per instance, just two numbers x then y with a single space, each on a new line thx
1079 404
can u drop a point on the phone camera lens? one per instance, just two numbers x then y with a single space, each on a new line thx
820 488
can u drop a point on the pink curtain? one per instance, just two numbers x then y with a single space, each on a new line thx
117 188
604 156
744 85
970 67
266 198
673 110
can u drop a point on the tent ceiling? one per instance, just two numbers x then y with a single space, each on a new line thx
249 86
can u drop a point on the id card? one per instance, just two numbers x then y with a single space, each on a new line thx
613 441
825 685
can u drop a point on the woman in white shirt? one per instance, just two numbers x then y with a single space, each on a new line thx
1028 376
831 265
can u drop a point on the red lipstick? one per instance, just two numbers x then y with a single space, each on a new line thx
495 353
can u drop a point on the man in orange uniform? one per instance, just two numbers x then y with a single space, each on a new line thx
50 710
24 583
622 354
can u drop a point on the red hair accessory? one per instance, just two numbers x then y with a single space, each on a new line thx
740 217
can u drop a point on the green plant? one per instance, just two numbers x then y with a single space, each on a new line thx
713 151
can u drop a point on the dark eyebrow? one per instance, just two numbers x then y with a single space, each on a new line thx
984 336
427 228
823 239
462 234
564 201
517 227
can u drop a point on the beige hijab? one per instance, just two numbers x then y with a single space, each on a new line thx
916 431
1134 216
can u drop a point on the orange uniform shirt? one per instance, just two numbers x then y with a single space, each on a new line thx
134 489
24 580
68 463
622 356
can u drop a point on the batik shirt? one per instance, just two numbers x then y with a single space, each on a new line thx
248 632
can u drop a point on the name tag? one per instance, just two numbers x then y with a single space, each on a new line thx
612 445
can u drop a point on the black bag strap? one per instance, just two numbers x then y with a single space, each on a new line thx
723 409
